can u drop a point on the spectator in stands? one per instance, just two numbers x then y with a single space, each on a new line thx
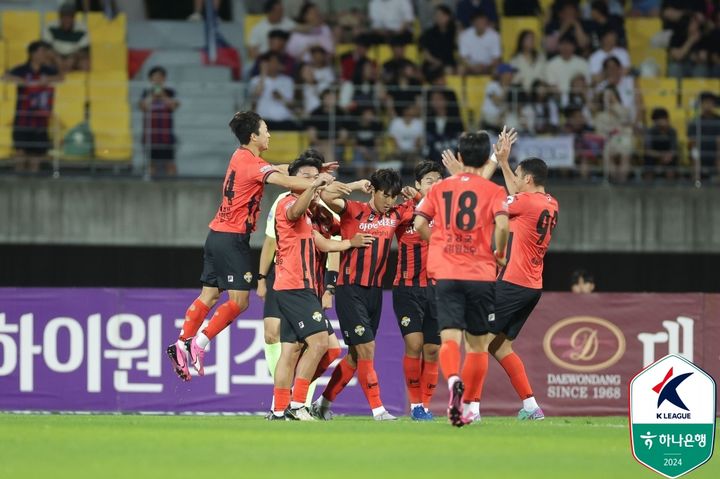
33 108
277 41
688 54
198 5
322 69
443 125
588 146
310 30
614 7
566 24
273 92
615 124
582 282
712 40
614 76
406 134
579 96
674 13
480 47
542 113
69 41
158 104
275 20
528 61
522 8
437 43
391 19
601 21
405 92
350 61
500 98
307 90
108 6
661 146
467 10
393 68
704 135
608 48
645 8
367 133
363 90
561 69
327 127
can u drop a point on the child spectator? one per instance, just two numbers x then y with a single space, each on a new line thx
277 45
158 104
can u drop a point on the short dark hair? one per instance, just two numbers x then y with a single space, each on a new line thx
568 38
581 274
244 124
601 7
386 180
445 9
157 69
269 5
536 168
706 95
478 14
425 167
474 148
609 60
37 45
277 33
307 158
660 114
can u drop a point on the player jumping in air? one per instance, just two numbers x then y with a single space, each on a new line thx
227 247
465 208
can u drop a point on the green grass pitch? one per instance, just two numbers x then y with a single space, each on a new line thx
219 447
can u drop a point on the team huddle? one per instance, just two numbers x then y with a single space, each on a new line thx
462 240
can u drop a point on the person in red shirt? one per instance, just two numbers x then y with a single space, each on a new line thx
467 211
533 217
359 285
227 247
414 305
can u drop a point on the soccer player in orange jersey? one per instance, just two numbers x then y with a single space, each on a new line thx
467 210
227 258
533 216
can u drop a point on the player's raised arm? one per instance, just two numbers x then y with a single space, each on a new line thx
502 231
422 227
330 245
300 206
502 152
333 194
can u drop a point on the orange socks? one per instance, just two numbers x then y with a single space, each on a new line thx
300 391
331 355
340 378
222 318
282 399
450 358
369 382
473 375
411 367
428 381
513 366
194 317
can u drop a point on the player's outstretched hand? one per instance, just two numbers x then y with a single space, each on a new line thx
330 166
361 240
342 188
323 179
451 162
409 192
500 260
363 185
504 144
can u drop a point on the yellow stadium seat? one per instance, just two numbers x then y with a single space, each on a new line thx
250 22
343 48
22 26
475 95
103 30
70 100
639 34
658 92
9 92
107 86
383 53
108 57
511 27
284 146
456 83
110 125
6 143
7 112
15 54
3 65
690 88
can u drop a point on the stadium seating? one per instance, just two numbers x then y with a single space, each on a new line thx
250 22
108 57
15 53
103 30
640 32
104 86
21 27
692 87
510 31
343 48
659 92
285 146
70 100
383 53
456 83
110 125
474 96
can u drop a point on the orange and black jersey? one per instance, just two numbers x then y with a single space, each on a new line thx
295 266
412 257
366 266
328 226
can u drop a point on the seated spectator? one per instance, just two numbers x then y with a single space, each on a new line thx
405 92
661 146
307 90
588 145
310 30
322 69
522 8
614 7
364 90
392 69
712 40
443 124
580 96
391 19
582 282
608 48
34 105
275 20
688 54
614 76
645 8
466 11
350 24
406 133
327 125
566 24
350 61
498 97
601 21
366 132
68 40
158 104
561 69
277 41
614 123
480 47
437 43
704 135
272 93
542 113
528 61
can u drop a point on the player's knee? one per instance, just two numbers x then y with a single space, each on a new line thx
318 343
366 351
272 337
431 352
413 347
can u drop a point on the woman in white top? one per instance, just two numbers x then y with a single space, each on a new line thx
528 61
615 124
311 30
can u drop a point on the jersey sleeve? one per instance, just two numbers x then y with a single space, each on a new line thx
352 208
286 204
426 208
262 171
406 211
500 203
515 205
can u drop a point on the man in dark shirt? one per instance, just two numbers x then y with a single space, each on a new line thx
158 103
438 43
327 123
661 146
277 41
391 69
34 106
69 41
704 135
367 132
467 9
602 21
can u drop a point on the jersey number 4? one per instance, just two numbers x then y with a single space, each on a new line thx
465 217
228 191
545 225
